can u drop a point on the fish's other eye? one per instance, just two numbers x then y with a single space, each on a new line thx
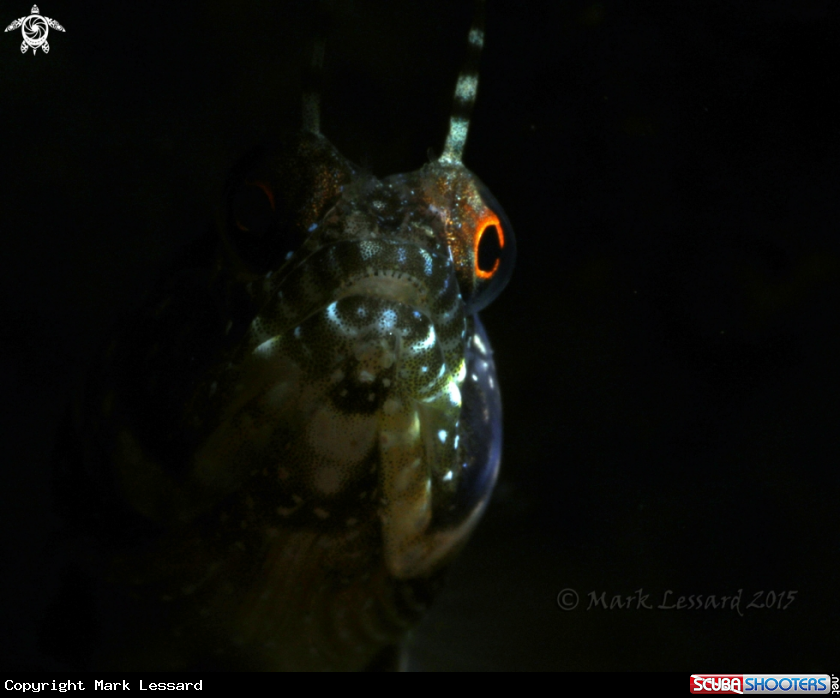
494 253
253 208
258 224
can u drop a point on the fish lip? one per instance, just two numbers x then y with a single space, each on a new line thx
387 284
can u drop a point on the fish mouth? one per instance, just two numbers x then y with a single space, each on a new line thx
392 285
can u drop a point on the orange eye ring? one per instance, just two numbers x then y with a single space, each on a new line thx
266 189
269 195
489 219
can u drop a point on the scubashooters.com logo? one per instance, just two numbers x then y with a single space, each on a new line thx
738 684
35 28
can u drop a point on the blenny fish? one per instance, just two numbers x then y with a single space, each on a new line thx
281 452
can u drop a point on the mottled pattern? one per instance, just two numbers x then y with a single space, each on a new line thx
297 432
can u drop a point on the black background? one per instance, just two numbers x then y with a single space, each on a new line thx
668 347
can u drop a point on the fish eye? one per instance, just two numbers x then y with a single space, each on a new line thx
252 208
489 245
258 223
494 253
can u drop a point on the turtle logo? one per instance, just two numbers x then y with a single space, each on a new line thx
35 28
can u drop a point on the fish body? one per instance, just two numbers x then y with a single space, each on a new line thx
281 452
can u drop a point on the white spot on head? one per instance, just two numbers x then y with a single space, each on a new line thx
448 476
388 319
442 436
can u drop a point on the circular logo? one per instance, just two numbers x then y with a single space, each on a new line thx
568 599
35 30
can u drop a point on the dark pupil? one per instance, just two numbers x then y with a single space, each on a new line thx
489 249
252 210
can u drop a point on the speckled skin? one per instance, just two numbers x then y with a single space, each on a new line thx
290 442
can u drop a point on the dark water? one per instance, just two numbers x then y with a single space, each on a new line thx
667 348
